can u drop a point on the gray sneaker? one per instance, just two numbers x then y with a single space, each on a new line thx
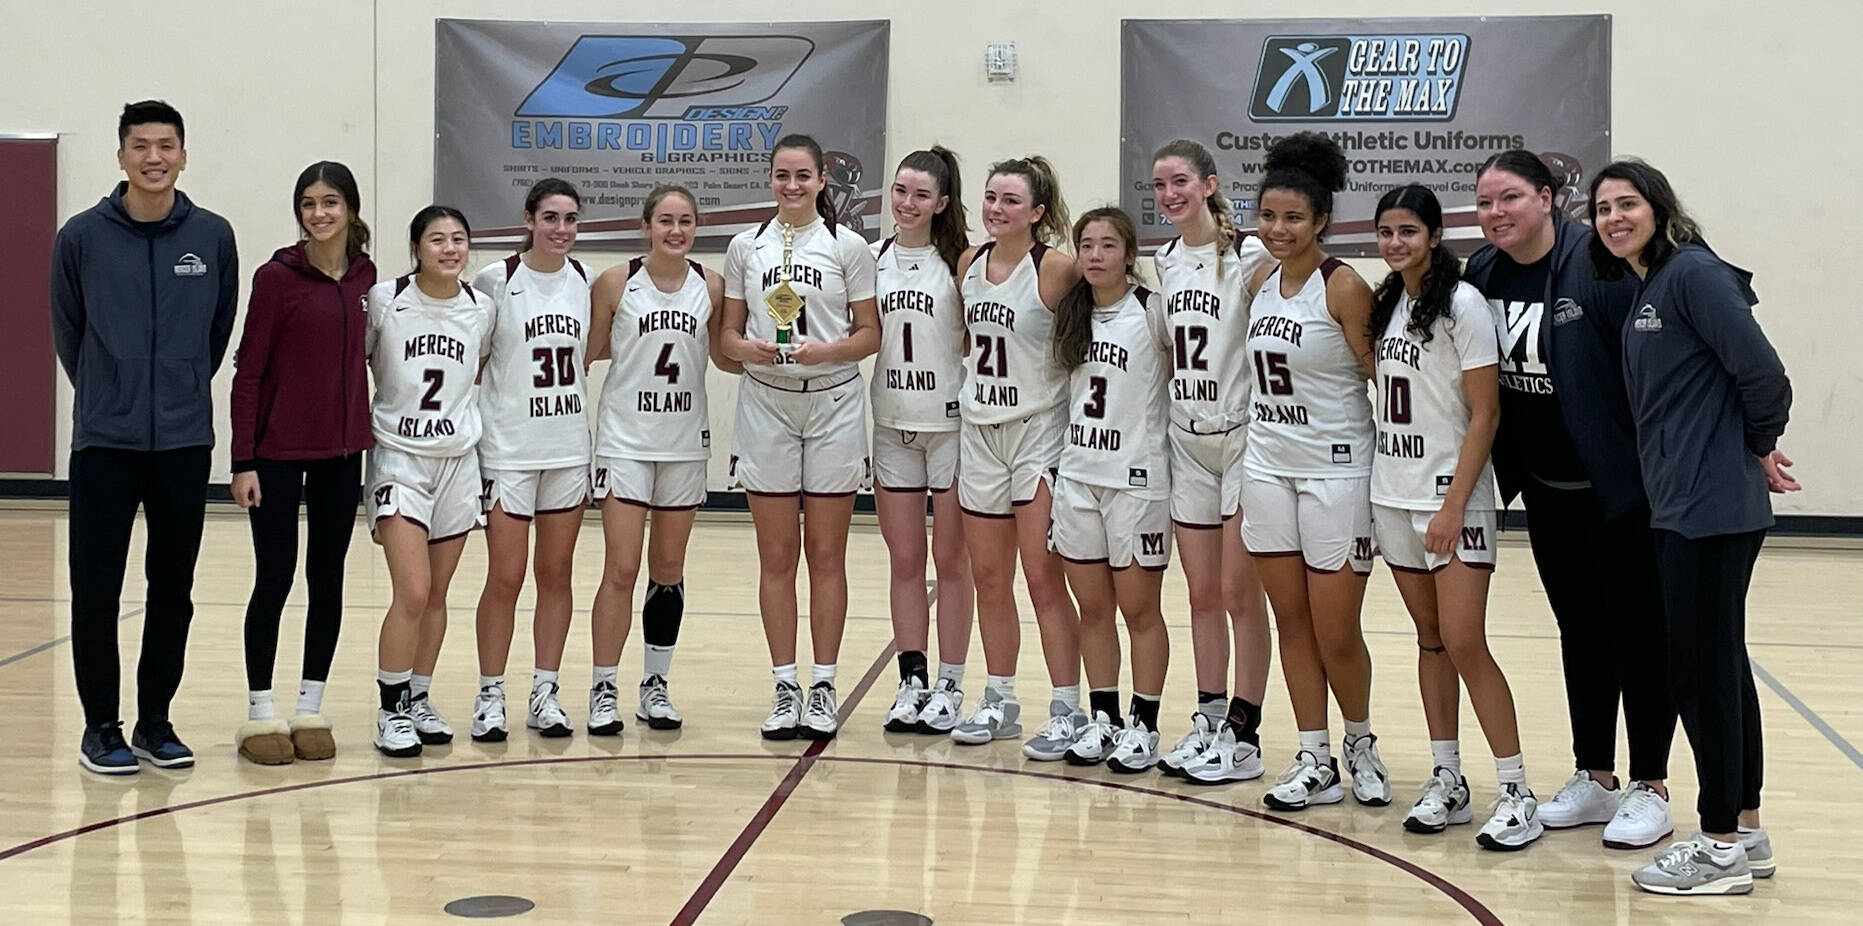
1759 852
1063 727
996 718
1689 868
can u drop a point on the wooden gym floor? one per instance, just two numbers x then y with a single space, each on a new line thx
713 825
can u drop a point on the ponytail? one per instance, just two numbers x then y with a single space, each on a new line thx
1199 158
824 206
950 229
1044 191
547 187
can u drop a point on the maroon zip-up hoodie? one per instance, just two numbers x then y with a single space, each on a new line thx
300 381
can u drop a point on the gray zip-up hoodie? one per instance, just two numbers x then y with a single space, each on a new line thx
1709 394
141 316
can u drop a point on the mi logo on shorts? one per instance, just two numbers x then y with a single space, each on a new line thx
1362 548
1151 544
1474 538
669 77
1342 453
190 265
1138 477
384 496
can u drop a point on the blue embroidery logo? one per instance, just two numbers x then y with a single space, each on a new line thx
666 77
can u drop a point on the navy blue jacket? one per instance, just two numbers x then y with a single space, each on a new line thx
1583 351
1709 394
141 316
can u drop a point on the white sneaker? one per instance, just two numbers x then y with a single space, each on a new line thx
1371 784
939 714
1642 820
546 713
1305 783
820 717
605 710
1202 734
1227 759
395 735
1135 748
994 719
785 712
432 728
1759 852
1515 823
1444 803
1057 733
488 716
1581 801
1094 742
656 708
904 715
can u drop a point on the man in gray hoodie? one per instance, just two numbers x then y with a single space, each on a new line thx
144 290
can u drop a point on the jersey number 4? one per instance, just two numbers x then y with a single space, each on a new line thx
664 366
554 367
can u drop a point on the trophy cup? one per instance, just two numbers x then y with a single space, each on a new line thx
783 304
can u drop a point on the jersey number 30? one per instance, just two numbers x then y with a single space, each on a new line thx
554 367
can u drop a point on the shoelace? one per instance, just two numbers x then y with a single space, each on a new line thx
989 713
400 724
1680 858
1057 727
821 702
938 704
605 697
1131 739
786 700
657 698
1197 740
1572 787
1638 802
1299 769
1439 788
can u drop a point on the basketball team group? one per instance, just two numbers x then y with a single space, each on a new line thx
1032 398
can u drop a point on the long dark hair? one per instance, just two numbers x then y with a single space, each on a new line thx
1310 164
950 229
824 206
339 178
1073 315
1674 226
1439 279
1044 191
542 189
426 217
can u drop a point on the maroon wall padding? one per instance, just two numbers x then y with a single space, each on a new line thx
28 221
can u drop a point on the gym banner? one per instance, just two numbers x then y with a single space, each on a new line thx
1410 100
617 108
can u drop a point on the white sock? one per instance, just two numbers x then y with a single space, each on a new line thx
492 681
258 705
1447 754
656 660
1748 830
310 697
418 684
542 677
1720 848
1510 770
403 677
822 673
1317 742
1357 728
785 673
1069 695
1003 686
951 673
609 674
1216 708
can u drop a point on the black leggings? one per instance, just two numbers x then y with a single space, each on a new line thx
107 485
1704 589
1600 579
331 490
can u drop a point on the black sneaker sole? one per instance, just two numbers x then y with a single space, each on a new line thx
782 734
900 726
1079 762
810 733
1412 824
407 753
1489 842
1129 770
931 731
435 739
556 733
491 736
660 723
611 729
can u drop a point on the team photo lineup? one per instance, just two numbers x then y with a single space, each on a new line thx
1247 409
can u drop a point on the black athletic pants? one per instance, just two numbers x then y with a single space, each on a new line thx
330 490
1704 590
106 486
1600 578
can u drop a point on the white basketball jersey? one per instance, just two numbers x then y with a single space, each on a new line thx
1119 400
920 367
424 354
1011 371
1311 417
532 396
1206 296
1422 409
653 401
829 268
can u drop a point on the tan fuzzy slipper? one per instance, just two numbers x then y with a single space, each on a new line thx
265 742
311 739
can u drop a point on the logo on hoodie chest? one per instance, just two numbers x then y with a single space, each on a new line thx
190 265
1647 319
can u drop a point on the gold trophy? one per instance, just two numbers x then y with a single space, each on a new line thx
783 304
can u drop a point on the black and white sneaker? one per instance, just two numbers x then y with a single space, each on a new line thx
1305 783
820 717
1443 803
546 715
785 712
605 710
432 728
903 717
656 708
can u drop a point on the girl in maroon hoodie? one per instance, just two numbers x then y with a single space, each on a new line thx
300 424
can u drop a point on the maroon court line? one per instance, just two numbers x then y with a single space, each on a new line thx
1474 907
760 821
